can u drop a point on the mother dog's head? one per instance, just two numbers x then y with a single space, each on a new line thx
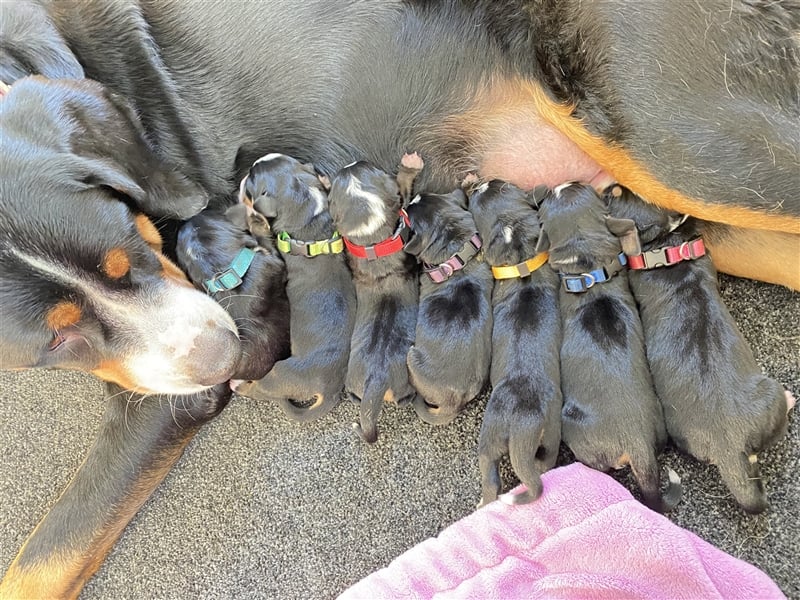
83 282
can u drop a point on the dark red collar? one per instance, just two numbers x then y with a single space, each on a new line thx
669 255
388 246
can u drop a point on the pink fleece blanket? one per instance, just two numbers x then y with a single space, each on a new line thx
586 537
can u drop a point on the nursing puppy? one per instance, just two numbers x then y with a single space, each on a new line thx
611 416
718 405
449 361
365 204
322 302
523 415
231 256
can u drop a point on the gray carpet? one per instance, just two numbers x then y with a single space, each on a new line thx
260 507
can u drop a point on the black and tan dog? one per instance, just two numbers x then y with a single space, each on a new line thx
308 384
449 361
231 256
365 203
611 417
718 405
531 92
523 415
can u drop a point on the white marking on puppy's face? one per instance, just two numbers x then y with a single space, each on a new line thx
507 234
319 200
267 157
375 206
415 199
482 187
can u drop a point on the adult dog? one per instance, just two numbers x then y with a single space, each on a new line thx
692 106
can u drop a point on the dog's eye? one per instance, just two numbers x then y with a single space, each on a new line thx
57 342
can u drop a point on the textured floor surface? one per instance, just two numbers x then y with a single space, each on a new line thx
260 507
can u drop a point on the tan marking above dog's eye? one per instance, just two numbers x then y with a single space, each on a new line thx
116 263
62 315
148 232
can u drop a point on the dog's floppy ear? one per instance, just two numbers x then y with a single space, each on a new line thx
625 230
416 244
544 241
31 45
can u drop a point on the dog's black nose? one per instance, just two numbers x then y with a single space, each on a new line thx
214 357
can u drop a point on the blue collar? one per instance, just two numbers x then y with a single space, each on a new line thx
232 276
577 284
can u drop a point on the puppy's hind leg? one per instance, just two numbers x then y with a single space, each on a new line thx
492 444
647 473
742 475
318 407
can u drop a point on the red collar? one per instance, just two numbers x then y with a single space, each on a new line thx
669 255
388 246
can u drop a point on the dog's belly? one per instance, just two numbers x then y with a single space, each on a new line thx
528 152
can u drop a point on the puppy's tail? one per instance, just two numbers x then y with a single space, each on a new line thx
648 476
317 407
370 410
530 456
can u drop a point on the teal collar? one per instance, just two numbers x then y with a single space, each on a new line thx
232 276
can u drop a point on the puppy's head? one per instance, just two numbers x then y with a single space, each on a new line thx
207 245
287 192
574 229
441 224
83 283
628 210
507 221
364 202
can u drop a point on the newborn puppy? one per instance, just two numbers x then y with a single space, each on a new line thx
289 194
228 255
718 405
523 415
611 416
449 361
365 204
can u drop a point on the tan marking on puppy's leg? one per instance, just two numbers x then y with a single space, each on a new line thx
116 263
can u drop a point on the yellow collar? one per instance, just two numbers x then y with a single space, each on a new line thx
522 269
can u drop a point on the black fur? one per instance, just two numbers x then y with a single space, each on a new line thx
449 361
611 415
523 416
718 405
387 289
207 244
322 301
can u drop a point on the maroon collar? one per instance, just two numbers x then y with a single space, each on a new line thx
443 271
388 246
668 255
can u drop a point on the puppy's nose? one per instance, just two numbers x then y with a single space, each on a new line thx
214 357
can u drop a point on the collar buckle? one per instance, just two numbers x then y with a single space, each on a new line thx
231 277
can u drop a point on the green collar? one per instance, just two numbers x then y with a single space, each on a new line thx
232 276
288 245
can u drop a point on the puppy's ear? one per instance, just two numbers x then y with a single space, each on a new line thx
625 230
544 241
31 45
92 172
237 215
416 244
460 198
